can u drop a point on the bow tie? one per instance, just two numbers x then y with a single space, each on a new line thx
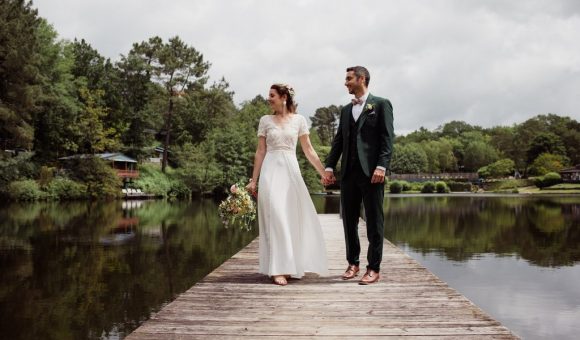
357 101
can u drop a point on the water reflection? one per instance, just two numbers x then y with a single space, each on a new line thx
98 270
515 257
545 231
92 270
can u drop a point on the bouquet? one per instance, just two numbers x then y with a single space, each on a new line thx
238 207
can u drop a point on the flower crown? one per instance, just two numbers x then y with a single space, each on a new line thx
289 88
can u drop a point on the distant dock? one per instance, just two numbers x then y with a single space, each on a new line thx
234 301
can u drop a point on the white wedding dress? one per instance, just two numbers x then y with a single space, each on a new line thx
291 240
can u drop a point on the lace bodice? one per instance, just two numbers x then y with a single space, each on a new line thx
285 136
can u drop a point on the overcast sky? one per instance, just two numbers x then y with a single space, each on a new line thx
488 63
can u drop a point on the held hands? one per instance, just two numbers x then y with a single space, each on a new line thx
327 178
378 176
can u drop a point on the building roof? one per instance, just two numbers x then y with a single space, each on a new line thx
115 157
574 169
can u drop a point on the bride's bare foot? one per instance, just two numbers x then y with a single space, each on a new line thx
279 280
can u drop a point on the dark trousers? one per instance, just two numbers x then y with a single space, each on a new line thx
355 188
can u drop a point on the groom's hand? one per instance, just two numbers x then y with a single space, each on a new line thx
378 176
330 179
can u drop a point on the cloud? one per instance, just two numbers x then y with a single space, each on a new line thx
488 63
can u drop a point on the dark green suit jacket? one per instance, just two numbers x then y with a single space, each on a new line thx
375 136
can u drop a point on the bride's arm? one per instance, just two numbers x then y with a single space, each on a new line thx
311 154
258 159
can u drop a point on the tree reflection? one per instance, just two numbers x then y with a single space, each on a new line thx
65 275
544 230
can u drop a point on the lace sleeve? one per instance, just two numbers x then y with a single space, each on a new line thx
262 127
303 130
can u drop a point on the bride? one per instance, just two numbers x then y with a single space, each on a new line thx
291 241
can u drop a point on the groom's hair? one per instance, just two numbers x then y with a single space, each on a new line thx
360 71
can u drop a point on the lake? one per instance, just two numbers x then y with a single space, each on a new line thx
98 270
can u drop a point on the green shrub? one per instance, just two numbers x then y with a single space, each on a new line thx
441 187
395 187
459 186
153 181
503 167
551 178
45 176
507 184
66 189
25 190
547 162
415 186
428 188
565 186
179 189
406 185
100 179
15 169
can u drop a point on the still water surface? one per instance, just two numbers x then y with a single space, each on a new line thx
518 258
98 270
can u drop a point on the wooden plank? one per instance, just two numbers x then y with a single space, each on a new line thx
234 301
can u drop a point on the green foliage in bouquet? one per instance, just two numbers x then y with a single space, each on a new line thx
238 208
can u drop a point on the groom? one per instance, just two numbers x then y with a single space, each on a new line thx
365 141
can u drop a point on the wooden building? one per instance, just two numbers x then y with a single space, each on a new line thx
571 175
125 166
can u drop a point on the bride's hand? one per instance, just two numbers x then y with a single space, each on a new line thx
251 187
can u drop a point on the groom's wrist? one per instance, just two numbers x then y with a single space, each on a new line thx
328 170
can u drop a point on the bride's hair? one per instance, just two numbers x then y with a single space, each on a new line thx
288 91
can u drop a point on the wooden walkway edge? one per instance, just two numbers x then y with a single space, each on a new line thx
234 301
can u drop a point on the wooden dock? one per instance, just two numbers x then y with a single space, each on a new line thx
234 301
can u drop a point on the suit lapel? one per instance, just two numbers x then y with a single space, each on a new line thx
365 111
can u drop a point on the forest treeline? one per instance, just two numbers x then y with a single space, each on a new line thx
60 98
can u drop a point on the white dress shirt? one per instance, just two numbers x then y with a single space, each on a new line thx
357 109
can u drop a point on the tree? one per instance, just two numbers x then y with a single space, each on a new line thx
478 154
233 152
138 92
18 72
529 130
251 112
431 149
201 110
503 139
95 137
325 121
410 158
439 155
176 67
418 136
56 131
503 167
571 140
94 72
456 128
447 160
545 142
546 163
198 167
